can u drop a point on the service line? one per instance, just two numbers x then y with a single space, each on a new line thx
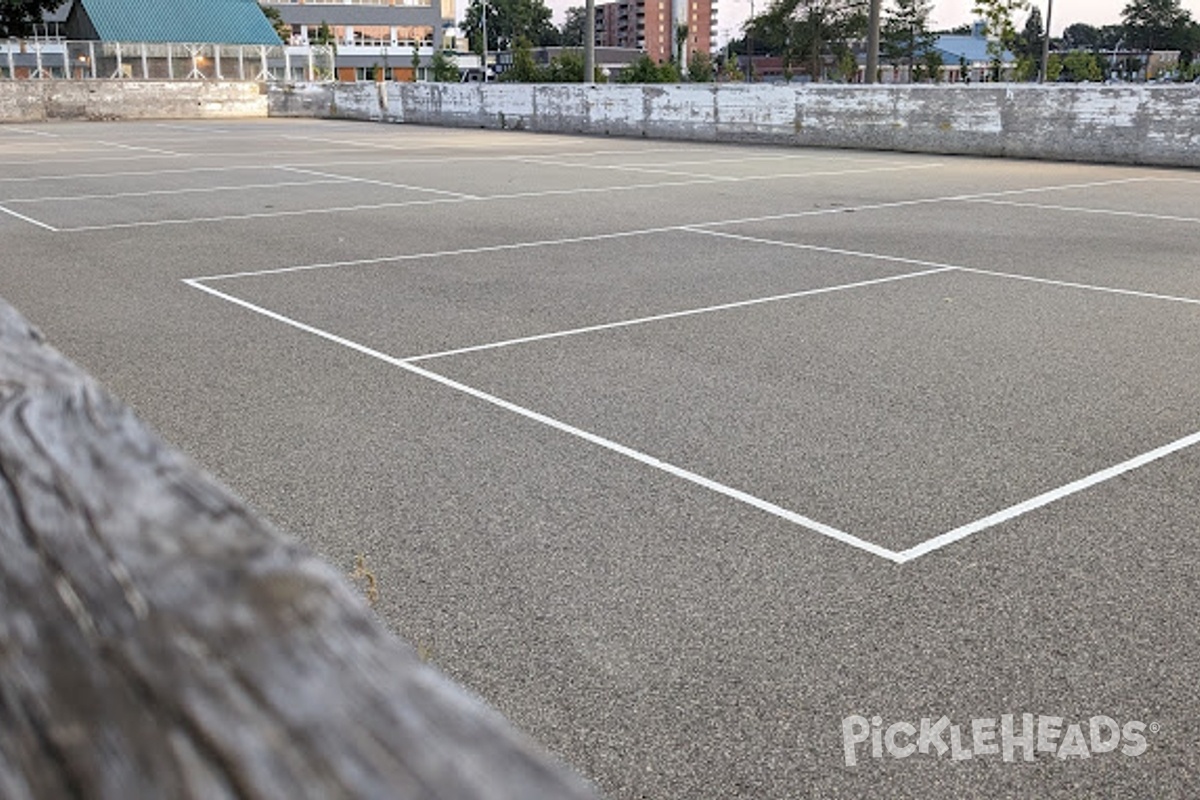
563 427
482 199
30 220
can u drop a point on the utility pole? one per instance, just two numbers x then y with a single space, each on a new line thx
589 42
1045 71
750 46
483 17
873 41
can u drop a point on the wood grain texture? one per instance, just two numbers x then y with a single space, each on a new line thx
157 639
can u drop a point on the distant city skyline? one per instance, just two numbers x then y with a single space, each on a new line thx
732 14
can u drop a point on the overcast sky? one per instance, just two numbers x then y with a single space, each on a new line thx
946 13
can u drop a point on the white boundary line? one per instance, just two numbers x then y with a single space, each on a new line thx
30 220
690 227
464 251
483 199
608 444
924 548
122 146
1084 286
1084 210
677 314
372 182
551 162
198 190
135 173
27 132
1046 498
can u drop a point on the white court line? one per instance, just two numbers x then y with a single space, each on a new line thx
195 129
122 146
1012 512
692 227
372 182
956 267
26 132
912 553
30 220
198 190
84 160
546 162
837 251
691 312
1084 210
483 199
608 444
1015 276
464 251
133 173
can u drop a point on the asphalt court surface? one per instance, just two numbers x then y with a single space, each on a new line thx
678 454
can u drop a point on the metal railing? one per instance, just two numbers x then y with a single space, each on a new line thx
49 59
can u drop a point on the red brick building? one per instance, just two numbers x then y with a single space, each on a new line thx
646 25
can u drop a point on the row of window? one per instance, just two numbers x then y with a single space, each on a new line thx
366 35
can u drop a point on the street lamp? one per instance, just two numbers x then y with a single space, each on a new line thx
1045 76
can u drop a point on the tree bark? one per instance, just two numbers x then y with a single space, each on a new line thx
158 639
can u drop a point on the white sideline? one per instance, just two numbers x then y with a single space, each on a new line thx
608 444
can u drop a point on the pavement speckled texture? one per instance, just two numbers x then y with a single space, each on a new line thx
667 640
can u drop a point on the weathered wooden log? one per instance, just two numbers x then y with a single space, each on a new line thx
157 639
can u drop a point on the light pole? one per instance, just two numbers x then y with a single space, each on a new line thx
1045 76
873 41
483 7
589 42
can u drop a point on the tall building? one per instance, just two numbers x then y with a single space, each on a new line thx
646 25
371 33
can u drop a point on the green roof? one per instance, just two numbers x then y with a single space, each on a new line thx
197 21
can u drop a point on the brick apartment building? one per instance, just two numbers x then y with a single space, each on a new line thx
646 25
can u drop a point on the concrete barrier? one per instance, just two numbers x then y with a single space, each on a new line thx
37 100
1122 124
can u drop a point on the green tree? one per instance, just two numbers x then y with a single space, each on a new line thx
931 65
998 18
1028 43
325 36
282 29
810 30
574 27
645 70
731 71
700 68
17 17
1155 24
1054 67
905 36
681 34
1081 36
443 68
523 69
508 21
1080 65
566 67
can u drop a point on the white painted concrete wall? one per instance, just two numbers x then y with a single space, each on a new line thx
31 100
1135 124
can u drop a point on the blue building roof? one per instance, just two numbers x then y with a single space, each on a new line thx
198 21
972 49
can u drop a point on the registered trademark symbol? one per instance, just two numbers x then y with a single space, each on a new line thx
1155 727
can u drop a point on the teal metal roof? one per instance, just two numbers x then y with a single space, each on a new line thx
215 21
